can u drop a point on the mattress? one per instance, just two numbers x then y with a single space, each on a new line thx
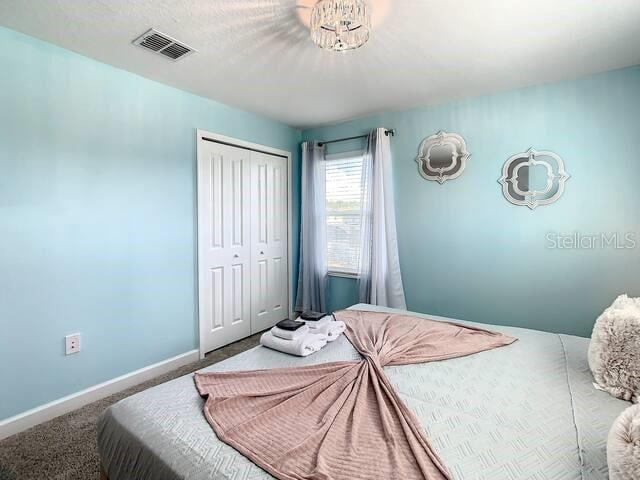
525 411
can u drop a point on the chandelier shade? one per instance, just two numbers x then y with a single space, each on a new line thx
340 25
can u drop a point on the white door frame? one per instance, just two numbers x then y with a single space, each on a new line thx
234 142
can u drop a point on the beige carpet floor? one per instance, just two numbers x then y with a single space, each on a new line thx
65 447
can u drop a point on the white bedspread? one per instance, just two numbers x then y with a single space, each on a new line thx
527 412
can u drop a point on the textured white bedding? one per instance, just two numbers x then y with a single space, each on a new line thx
528 411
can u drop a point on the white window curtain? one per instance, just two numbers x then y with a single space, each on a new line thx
312 275
380 279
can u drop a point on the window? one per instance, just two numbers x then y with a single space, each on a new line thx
344 188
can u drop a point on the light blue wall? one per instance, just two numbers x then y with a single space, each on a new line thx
97 217
467 253
342 292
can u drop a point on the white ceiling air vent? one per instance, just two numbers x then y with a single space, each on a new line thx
162 44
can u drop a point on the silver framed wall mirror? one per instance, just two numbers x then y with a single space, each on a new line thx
533 178
442 157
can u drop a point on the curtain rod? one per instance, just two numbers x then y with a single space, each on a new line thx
391 132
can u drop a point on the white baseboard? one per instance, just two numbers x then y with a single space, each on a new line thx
23 421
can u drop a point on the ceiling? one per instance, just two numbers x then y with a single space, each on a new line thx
257 55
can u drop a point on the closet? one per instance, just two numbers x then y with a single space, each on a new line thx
243 239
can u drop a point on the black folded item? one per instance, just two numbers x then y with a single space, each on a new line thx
313 316
291 325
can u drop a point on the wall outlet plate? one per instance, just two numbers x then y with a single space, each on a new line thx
72 344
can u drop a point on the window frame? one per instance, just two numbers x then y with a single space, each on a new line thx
328 158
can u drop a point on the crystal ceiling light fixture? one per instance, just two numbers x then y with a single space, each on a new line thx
340 25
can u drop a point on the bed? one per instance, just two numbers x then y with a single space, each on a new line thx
526 411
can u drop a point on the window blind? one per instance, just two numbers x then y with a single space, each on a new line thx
343 189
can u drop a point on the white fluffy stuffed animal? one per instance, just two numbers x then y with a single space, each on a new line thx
614 351
623 446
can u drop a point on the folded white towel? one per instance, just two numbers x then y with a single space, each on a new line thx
313 324
332 330
290 334
303 346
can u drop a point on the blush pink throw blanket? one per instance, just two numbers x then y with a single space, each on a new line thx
340 420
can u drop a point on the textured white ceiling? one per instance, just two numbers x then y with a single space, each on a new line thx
257 55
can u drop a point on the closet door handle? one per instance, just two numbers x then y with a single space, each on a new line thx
261 252
236 256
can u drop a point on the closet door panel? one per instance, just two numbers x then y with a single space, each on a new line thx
269 245
224 244
239 300
278 240
277 300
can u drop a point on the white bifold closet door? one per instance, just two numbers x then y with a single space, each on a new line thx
269 266
242 242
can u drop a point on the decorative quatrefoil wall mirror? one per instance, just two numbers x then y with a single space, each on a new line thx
442 157
533 178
